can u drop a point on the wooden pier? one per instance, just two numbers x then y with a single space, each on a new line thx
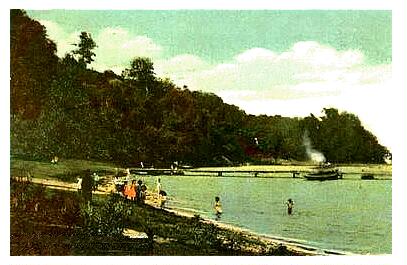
239 173
219 173
254 173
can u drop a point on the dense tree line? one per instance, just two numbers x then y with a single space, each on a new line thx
60 107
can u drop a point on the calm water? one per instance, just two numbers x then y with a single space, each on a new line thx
349 215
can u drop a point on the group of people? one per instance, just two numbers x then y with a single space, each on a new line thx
132 190
137 191
88 180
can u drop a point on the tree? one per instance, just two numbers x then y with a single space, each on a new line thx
33 64
85 47
141 69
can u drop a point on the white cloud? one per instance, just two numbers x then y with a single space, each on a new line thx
302 80
116 48
256 54
180 67
63 39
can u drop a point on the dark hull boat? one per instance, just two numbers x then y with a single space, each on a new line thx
367 176
324 175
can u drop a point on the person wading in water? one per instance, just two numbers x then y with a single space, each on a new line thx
290 205
218 208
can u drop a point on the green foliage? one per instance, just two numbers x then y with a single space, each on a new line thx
141 69
342 138
107 219
32 65
84 51
137 117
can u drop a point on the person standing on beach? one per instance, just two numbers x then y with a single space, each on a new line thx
218 207
158 187
290 205
139 190
79 184
131 193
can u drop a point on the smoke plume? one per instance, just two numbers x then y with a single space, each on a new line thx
312 154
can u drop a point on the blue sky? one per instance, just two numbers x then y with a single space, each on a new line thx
290 63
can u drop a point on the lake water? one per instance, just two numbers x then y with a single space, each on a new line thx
349 215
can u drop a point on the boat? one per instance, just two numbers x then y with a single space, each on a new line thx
367 176
324 173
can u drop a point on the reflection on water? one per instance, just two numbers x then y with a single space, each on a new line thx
350 215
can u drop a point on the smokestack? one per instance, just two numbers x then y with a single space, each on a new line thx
312 154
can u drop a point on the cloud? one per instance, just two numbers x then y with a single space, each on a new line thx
63 39
181 66
302 71
116 48
304 79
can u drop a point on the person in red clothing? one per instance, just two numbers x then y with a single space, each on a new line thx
131 192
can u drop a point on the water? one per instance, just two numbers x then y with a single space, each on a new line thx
349 215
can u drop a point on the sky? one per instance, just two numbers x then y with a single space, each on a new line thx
274 62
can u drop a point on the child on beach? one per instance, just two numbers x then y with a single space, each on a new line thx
131 192
218 207
162 198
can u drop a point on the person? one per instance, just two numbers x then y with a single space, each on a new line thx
87 185
128 174
79 184
162 198
125 189
117 183
139 191
96 179
218 207
131 192
290 205
143 192
158 187
55 160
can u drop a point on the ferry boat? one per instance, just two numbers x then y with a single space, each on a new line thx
324 173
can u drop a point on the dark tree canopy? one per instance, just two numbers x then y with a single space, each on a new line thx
141 69
59 107
32 63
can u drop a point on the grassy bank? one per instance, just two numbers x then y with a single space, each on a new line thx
65 169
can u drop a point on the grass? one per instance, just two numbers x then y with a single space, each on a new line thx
64 170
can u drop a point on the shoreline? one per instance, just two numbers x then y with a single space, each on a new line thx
291 244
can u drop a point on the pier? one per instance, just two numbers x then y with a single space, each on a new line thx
219 173
244 173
